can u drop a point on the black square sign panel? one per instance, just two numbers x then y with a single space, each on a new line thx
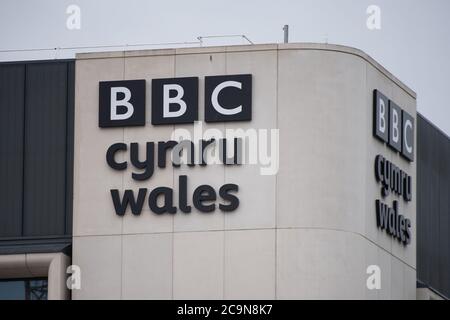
228 98
395 126
407 136
381 116
121 103
174 100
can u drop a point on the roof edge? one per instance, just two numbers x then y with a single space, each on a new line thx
246 48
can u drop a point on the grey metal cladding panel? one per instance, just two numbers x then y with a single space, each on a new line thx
11 144
70 144
433 210
433 213
421 262
444 217
424 191
423 195
45 149
447 211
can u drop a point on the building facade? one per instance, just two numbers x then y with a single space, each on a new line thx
36 107
337 204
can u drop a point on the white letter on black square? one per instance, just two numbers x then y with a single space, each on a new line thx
380 116
408 136
228 98
121 103
395 126
174 100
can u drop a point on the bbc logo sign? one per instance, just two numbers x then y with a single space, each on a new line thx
393 125
175 100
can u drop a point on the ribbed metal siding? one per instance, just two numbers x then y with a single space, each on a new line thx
11 144
70 131
36 108
433 207
45 149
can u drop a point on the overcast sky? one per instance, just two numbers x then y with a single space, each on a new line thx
413 42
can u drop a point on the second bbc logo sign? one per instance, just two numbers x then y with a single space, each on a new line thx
175 100
393 125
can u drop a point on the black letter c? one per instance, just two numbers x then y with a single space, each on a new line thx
111 153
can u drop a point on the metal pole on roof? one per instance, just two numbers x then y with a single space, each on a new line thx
286 33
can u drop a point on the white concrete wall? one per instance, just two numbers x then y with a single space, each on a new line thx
308 232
